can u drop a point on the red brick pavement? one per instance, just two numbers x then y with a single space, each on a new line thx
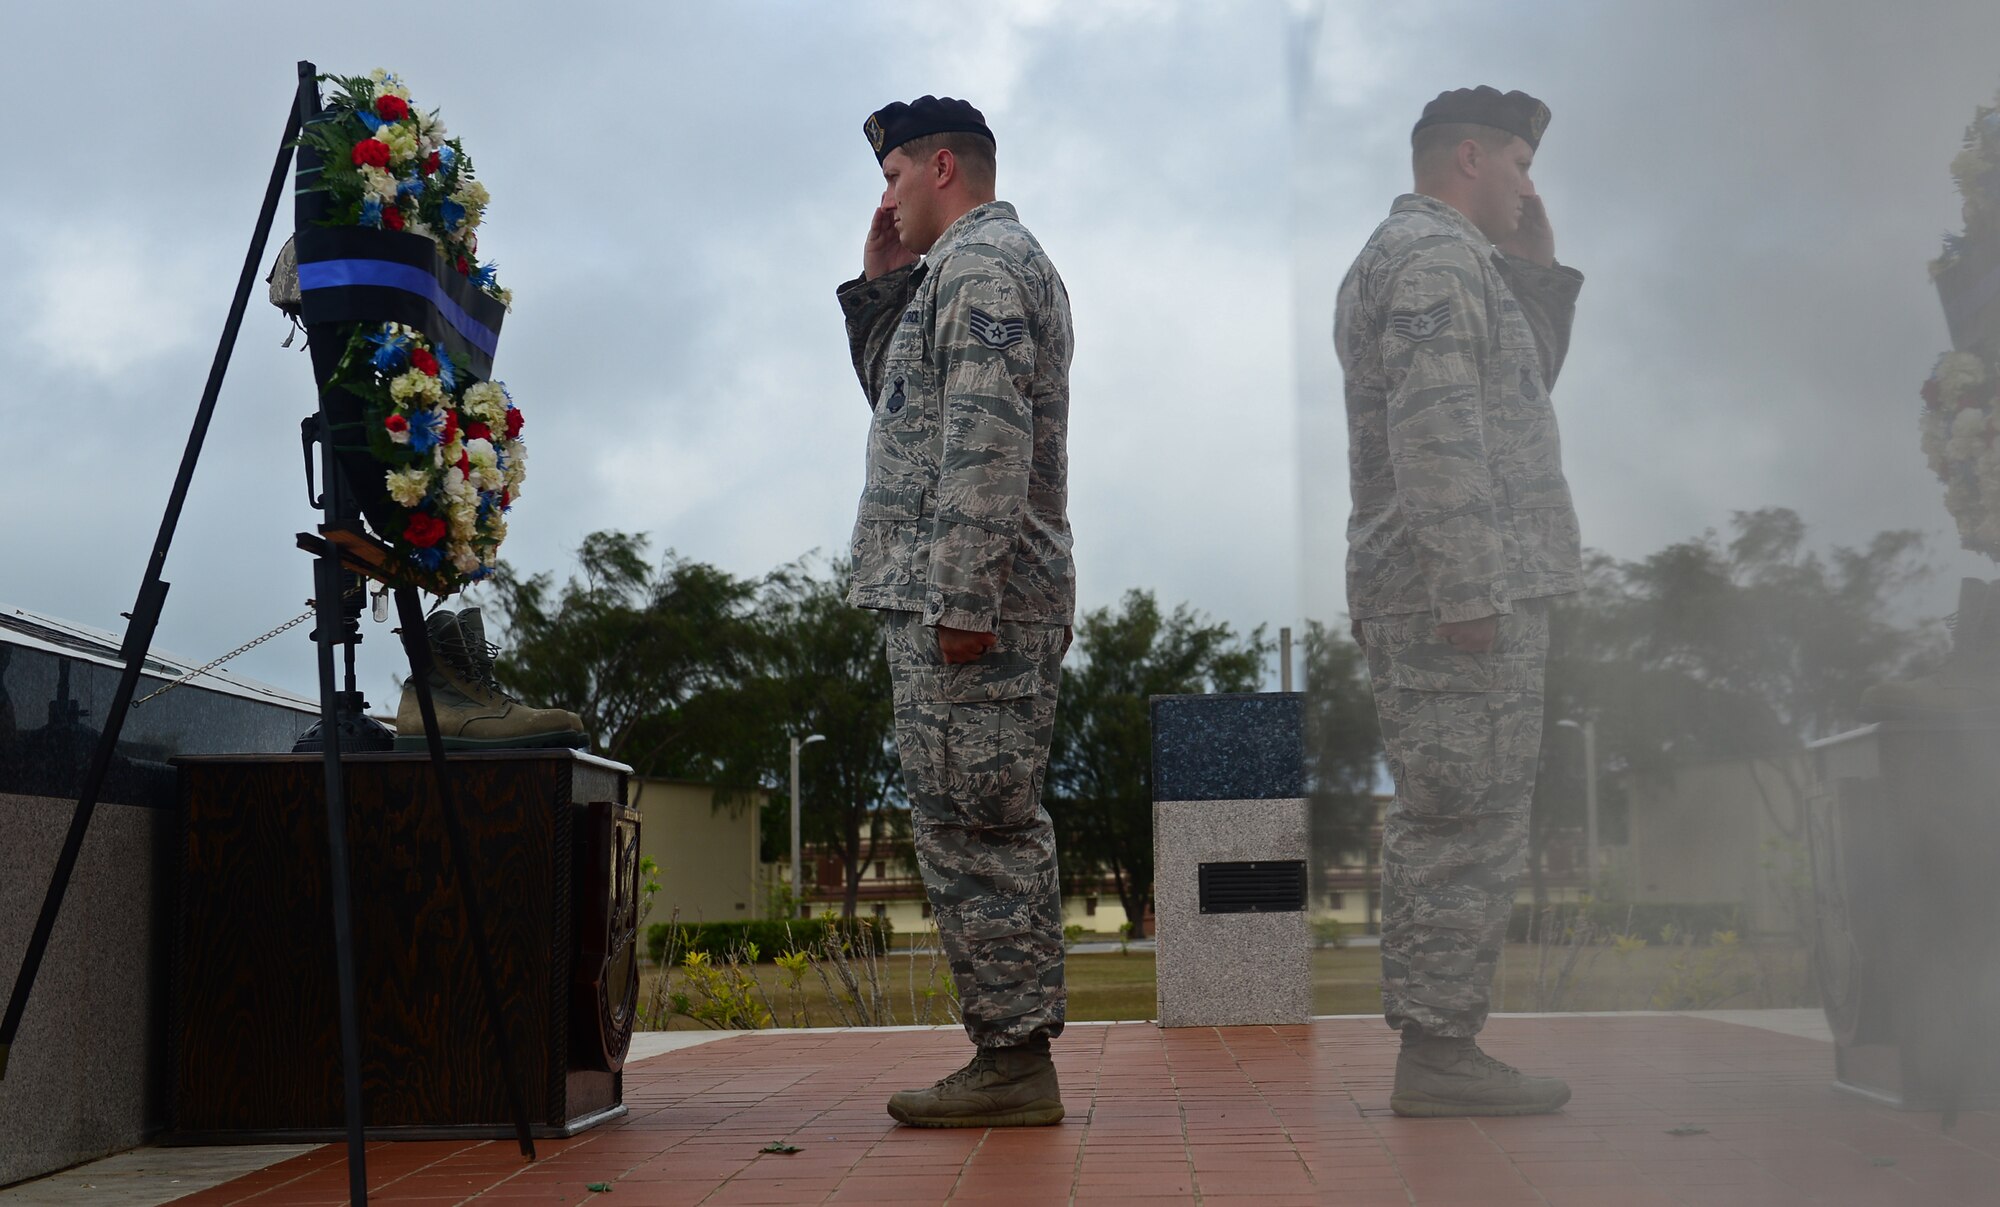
1270 1116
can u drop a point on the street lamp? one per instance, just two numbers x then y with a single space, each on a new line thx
1589 729
798 888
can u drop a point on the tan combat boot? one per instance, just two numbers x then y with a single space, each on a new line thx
478 658
1439 1076
472 713
1968 687
1001 1087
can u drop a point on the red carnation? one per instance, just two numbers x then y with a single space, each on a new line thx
392 217
430 163
450 427
391 108
422 359
506 499
478 431
513 423
396 423
465 464
371 152
424 530
464 269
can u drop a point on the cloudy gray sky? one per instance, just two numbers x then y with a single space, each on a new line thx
1752 189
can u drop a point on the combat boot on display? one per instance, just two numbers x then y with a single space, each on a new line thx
1968 687
472 713
479 655
1438 1076
1001 1087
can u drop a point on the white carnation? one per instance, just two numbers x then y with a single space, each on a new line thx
407 486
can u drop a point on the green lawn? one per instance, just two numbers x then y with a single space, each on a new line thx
1110 987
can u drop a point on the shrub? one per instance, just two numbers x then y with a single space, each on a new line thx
1328 932
770 938
1663 922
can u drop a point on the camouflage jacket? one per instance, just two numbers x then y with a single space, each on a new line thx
965 361
1449 348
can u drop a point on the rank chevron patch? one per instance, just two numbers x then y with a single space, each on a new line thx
1420 325
996 333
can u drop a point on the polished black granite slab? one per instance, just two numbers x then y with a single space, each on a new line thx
1228 746
52 706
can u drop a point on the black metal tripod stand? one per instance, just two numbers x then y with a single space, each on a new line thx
343 552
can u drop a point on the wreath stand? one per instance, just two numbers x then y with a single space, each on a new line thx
340 548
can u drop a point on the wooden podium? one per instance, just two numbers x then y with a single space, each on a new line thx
255 1040
1903 823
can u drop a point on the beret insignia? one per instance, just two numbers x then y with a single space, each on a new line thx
873 129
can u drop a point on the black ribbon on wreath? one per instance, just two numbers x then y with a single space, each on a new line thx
355 277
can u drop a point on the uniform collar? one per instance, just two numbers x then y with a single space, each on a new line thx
961 230
1443 212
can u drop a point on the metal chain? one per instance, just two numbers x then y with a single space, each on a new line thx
312 609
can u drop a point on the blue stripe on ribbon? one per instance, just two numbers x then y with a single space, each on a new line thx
331 274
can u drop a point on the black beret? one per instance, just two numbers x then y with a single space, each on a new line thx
895 124
1514 112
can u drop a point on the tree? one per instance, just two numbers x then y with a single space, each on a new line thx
1744 649
1099 788
821 669
1343 749
628 646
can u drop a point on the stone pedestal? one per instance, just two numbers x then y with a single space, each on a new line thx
256 1055
1904 826
1229 860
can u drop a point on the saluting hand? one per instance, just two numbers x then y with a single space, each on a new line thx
1533 237
884 250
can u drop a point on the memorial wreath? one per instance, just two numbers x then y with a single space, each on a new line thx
448 444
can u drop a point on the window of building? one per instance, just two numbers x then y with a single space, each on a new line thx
927 909
1336 900
881 910
881 872
1090 907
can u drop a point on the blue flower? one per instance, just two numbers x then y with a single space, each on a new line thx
453 214
371 213
447 156
369 120
391 349
429 559
482 276
425 428
447 372
482 572
414 186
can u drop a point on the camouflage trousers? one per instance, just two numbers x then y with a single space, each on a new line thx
975 740
1462 733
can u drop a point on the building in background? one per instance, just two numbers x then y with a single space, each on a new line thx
1730 831
890 888
707 851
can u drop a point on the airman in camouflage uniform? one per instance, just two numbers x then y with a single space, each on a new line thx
1462 529
963 544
